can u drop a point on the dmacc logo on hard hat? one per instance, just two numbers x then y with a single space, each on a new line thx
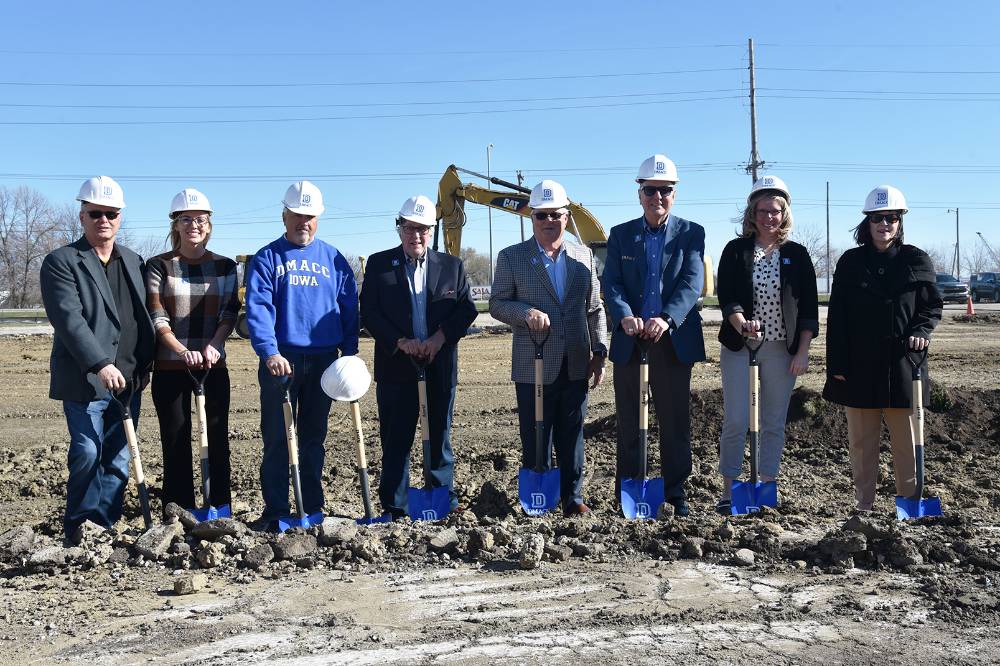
307 199
546 193
660 166
418 209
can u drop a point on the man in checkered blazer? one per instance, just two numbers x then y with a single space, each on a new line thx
548 285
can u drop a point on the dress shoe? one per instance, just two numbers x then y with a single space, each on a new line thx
576 509
680 505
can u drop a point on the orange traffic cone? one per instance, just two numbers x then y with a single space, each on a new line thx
969 310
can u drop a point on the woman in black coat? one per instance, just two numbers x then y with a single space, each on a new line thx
884 305
764 280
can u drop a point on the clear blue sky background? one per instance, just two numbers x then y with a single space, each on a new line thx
854 93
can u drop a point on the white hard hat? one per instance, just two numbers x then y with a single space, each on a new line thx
657 167
189 199
103 191
548 194
884 197
770 183
346 379
418 209
304 198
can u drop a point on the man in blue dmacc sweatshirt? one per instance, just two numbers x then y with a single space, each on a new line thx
302 311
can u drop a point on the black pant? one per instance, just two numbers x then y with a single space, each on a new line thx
564 403
670 384
172 391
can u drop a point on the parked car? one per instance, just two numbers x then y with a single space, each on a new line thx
985 285
952 291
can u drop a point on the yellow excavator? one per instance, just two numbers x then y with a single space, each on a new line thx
453 194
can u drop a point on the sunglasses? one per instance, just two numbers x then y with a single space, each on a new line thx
98 214
542 215
415 231
200 221
889 218
664 190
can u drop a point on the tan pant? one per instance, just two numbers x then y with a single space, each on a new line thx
864 431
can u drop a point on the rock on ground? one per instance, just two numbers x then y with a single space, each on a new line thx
212 530
531 552
153 544
185 517
17 541
190 584
294 546
258 556
212 555
444 541
336 531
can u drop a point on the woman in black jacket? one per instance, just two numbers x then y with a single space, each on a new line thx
884 305
765 281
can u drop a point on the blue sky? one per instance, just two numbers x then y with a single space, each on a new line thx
852 93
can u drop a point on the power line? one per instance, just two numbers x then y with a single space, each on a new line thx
327 84
838 70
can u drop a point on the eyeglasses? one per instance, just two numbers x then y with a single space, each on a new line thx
542 215
888 218
415 231
762 212
664 190
98 214
199 221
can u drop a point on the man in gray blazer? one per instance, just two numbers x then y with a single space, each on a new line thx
546 284
95 298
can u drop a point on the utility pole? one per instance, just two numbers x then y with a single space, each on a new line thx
958 256
489 211
520 181
829 268
755 162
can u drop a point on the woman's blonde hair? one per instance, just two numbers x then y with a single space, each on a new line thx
174 237
749 215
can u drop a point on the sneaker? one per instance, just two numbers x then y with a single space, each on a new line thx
575 509
724 507
681 508
262 524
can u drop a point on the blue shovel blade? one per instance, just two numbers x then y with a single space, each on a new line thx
311 520
211 513
428 504
908 507
538 491
750 497
384 518
642 498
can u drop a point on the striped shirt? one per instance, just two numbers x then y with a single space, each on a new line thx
190 298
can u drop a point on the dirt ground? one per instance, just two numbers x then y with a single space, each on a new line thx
806 583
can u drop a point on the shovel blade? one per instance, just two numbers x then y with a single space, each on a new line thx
384 518
750 497
428 504
212 512
538 491
305 522
908 507
642 498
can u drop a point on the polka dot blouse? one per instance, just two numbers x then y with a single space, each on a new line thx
767 292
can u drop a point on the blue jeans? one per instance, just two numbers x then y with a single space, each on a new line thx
398 410
564 402
311 409
98 462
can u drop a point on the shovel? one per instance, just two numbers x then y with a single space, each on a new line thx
123 401
916 506
301 519
366 493
427 503
641 497
749 496
538 486
207 511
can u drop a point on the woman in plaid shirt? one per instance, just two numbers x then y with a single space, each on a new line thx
192 299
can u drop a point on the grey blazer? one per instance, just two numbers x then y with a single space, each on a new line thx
81 309
520 283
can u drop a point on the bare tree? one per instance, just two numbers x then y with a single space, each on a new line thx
942 256
813 239
28 226
978 260
355 262
477 266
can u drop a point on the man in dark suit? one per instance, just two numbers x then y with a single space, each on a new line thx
417 305
95 298
652 280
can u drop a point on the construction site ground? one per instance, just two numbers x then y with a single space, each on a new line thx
806 583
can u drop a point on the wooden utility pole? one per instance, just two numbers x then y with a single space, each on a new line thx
755 161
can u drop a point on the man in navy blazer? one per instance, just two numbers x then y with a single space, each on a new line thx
94 291
652 280
417 305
